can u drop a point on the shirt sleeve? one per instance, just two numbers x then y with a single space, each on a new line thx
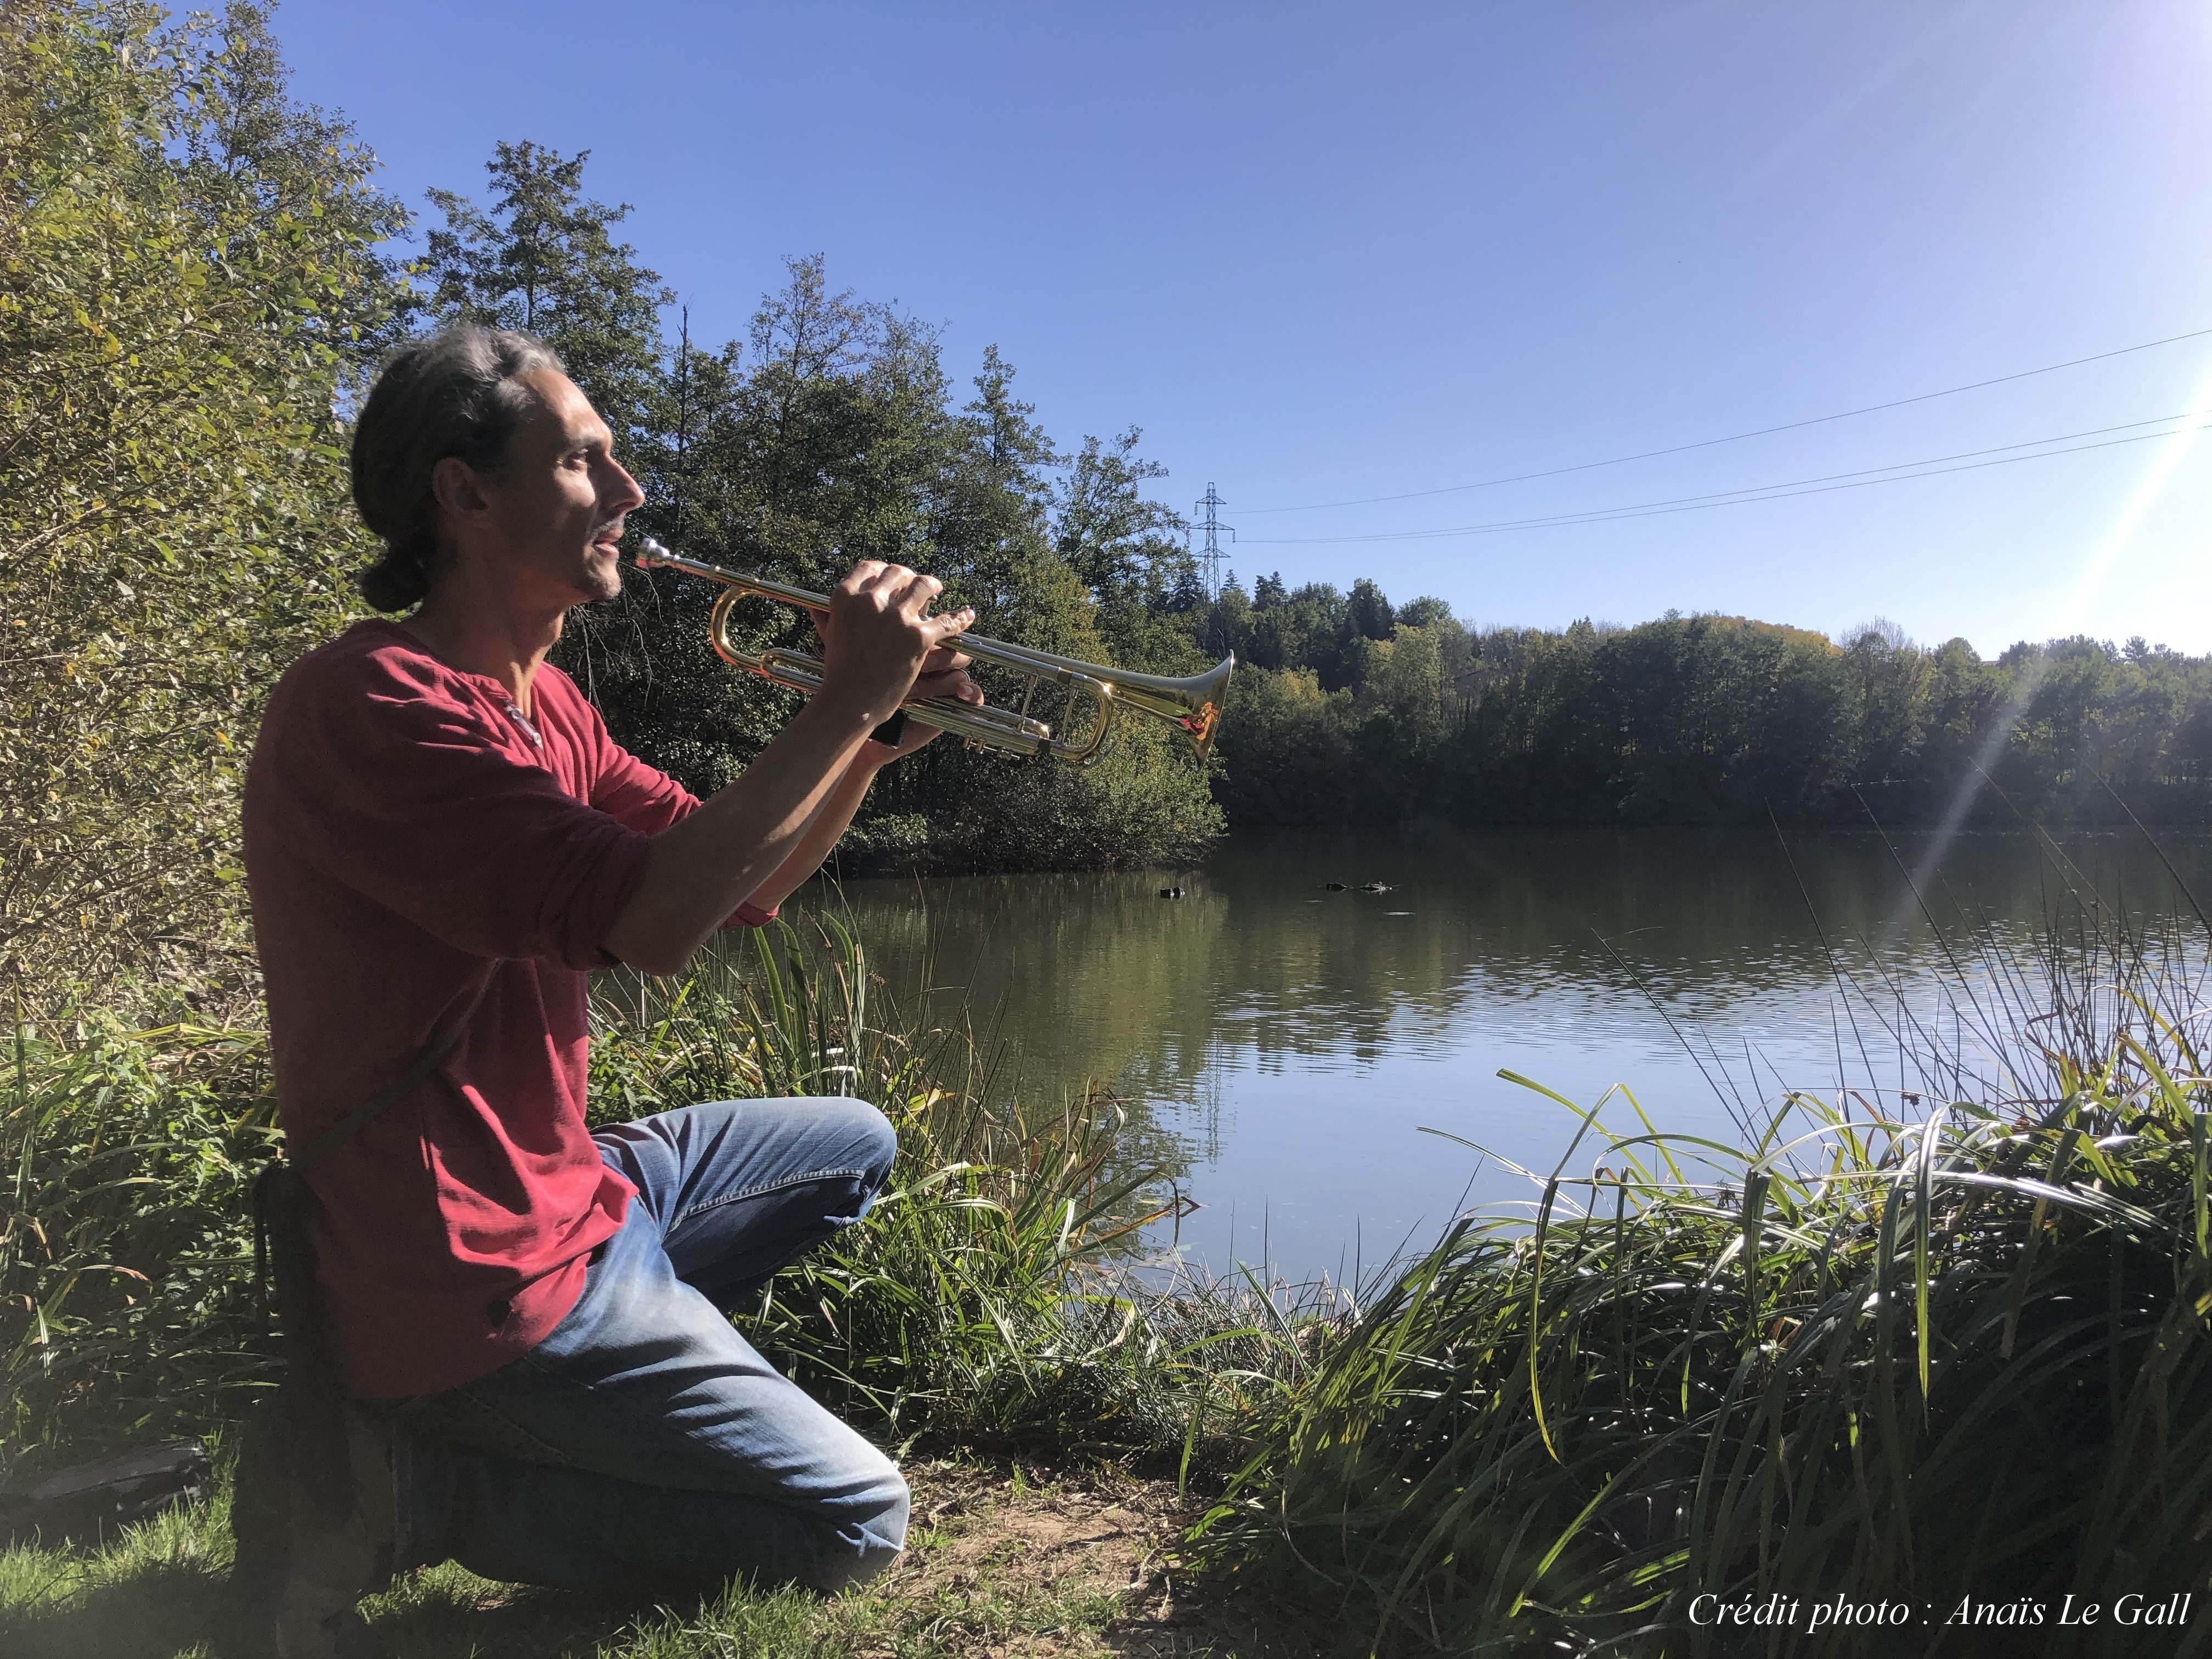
642 797
405 793
649 800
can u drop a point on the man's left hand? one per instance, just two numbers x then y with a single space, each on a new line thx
943 674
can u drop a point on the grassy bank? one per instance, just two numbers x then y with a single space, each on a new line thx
1938 1345
982 1319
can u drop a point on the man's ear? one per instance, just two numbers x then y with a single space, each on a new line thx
454 483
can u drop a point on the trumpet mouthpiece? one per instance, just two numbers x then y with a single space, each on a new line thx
650 553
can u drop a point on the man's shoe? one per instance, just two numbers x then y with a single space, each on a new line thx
302 1572
261 1508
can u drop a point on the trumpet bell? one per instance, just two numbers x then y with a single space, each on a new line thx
1195 705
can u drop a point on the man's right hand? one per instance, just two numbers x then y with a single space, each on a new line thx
879 635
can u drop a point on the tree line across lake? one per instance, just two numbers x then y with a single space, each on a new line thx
1359 716
198 275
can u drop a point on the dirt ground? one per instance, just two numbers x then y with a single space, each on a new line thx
1098 1534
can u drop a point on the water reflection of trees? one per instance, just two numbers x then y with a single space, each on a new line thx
1097 978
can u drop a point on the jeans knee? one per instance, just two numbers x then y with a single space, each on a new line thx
902 1503
870 1538
895 1504
878 1139
865 1136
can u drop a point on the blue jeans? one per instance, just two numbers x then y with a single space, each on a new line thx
644 1443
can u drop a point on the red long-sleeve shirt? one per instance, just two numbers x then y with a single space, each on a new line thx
406 829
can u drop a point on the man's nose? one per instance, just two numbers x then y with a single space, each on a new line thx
622 488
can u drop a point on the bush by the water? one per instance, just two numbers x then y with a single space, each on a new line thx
190 275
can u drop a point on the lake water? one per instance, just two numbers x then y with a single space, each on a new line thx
1285 1046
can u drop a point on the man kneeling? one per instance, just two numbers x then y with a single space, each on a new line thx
442 841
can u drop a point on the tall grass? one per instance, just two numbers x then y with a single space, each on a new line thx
986 1296
1939 1347
982 1295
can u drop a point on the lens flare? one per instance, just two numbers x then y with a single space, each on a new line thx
2164 463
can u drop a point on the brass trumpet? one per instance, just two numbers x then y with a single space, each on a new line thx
1192 706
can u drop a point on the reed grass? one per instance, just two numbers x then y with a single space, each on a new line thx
127 1306
1942 1347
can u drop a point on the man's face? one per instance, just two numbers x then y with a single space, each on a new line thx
556 505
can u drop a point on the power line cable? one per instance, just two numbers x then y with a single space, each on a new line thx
1738 437
1755 490
1739 498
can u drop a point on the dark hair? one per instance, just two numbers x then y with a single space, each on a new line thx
459 392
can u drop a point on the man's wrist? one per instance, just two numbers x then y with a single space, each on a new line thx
844 711
886 738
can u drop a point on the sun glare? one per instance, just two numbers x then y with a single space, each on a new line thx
2164 465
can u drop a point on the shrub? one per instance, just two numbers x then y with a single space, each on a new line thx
127 1305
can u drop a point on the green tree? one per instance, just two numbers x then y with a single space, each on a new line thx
190 276
1131 553
812 444
826 436
542 257
988 508
1087 566
1287 749
1894 680
1369 611
1427 611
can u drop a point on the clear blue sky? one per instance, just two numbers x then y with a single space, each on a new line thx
1321 252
